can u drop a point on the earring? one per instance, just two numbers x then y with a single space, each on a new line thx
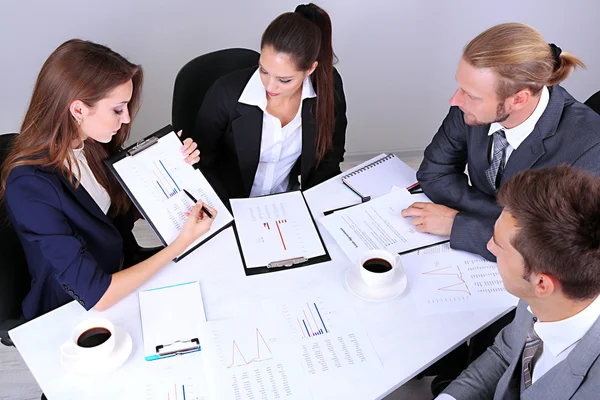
79 121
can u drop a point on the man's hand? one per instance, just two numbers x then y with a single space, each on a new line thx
431 218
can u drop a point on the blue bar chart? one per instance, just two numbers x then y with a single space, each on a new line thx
310 321
164 180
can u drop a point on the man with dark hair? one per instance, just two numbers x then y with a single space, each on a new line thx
547 243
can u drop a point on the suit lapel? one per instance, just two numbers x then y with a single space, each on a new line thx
566 377
532 148
247 134
309 138
84 198
478 158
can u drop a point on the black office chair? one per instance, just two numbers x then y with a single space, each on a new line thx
14 275
197 76
594 102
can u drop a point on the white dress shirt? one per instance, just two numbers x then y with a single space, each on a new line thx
515 136
280 147
88 180
559 339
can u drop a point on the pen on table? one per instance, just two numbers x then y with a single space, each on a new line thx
196 201
415 188
363 200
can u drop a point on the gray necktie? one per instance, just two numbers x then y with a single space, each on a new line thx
494 172
533 345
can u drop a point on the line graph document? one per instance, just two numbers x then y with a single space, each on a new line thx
156 178
275 228
444 280
248 359
329 341
378 224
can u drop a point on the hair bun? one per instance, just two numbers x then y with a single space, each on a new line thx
308 11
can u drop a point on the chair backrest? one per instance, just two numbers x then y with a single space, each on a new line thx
14 276
594 102
197 76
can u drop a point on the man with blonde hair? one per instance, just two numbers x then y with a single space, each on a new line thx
508 114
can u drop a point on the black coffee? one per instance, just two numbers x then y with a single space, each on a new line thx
377 265
93 337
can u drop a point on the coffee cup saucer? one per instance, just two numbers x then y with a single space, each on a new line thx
369 293
120 354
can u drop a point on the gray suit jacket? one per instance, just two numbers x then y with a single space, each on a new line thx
497 373
568 132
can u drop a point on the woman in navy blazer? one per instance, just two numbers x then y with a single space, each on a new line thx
259 129
70 213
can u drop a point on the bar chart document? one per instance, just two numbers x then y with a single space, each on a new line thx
328 339
274 228
378 224
248 359
443 280
155 179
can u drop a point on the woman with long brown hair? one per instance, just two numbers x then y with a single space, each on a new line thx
260 128
70 213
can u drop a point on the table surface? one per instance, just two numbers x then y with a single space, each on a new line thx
405 341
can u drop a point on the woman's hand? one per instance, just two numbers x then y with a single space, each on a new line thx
197 223
190 150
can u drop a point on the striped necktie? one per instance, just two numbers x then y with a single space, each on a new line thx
494 172
533 345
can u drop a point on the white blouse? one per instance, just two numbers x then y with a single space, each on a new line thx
280 147
88 180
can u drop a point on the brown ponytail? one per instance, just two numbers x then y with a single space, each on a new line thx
565 64
306 36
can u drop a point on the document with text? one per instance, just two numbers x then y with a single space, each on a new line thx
378 224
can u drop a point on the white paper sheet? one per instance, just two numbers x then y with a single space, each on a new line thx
275 228
442 280
248 359
328 339
170 314
157 176
378 224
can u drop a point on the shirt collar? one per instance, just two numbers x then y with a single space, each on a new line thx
255 94
515 136
560 335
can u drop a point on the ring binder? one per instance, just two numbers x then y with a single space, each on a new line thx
287 263
178 347
369 166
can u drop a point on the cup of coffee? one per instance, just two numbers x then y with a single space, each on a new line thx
377 267
91 341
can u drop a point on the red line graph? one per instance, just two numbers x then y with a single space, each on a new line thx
451 288
259 338
279 230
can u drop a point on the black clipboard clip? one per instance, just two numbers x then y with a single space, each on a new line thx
142 145
178 347
287 263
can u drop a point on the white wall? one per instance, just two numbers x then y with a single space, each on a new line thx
397 58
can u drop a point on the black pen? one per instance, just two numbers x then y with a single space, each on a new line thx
196 201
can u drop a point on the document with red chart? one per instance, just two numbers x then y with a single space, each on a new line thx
276 228
444 280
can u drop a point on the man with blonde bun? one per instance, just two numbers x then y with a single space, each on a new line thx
508 114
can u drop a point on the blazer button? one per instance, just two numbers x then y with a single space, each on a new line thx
65 287
81 302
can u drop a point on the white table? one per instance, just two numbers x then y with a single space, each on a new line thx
405 341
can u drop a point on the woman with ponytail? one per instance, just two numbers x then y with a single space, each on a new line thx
260 128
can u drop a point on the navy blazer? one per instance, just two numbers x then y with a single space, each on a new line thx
567 132
229 134
72 247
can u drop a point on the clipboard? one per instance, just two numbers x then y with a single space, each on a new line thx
284 264
168 327
138 148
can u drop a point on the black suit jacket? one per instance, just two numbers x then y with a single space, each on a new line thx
229 134
567 132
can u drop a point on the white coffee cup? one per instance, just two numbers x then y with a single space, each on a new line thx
72 350
381 278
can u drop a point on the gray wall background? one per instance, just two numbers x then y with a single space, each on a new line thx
397 58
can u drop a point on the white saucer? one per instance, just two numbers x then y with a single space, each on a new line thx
360 289
120 354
